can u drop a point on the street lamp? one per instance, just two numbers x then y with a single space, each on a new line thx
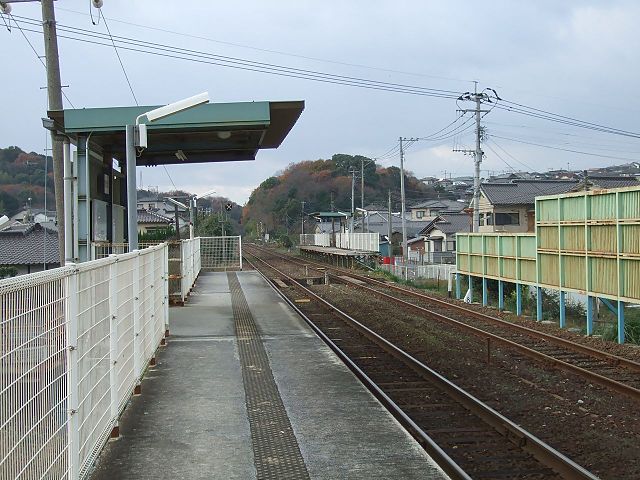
136 136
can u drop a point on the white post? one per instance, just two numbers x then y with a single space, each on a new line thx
68 203
476 176
132 194
404 222
113 342
166 288
73 401
137 354
240 243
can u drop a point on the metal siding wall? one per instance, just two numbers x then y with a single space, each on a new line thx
509 246
509 268
493 267
604 275
603 206
630 239
574 268
603 239
547 210
572 208
549 267
476 264
629 204
527 245
573 238
491 244
630 278
548 238
528 271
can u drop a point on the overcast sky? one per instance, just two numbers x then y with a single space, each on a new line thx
576 58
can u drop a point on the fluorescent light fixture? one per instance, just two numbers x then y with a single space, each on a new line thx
175 107
176 203
224 135
181 156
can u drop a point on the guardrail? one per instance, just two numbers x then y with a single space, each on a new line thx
76 341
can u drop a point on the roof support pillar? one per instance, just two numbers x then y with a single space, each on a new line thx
620 321
589 315
539 304
518 299
132 195
500 295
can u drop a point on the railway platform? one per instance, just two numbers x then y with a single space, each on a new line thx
245 389
341 257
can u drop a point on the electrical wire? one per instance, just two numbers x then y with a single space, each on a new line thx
132 44
626 159
118 55
175 189
34 51
278 52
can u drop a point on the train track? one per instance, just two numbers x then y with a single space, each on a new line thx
466 437
616 373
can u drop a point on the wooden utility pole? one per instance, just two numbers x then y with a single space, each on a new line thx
54 93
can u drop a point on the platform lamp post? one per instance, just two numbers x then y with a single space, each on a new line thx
136 136
193 203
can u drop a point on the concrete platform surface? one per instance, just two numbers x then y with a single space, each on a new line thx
191 420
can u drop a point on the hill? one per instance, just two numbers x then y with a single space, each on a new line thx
325 185
22 176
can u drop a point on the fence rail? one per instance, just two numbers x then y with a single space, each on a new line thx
367 242
316 239
413 272
75 342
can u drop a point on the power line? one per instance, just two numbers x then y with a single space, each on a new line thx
279 52
118 55
168 51
626 159
175 189
34 50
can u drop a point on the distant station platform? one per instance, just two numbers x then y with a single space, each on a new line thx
337 256
245 389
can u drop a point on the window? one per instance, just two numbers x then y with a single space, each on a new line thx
420 214
486 218
507 218
451 246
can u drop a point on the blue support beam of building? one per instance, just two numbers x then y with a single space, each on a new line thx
609 305
563 311
485 293
458 288
518 299
620 321
500 295
538 303
589 315
470 289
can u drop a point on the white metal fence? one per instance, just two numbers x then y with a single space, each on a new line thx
190 264
367 242
221 253
316 239
75 342
414 272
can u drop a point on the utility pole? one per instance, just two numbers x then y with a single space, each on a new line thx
390 230
362 187
403 200
353 205
54 94
478 98
302 216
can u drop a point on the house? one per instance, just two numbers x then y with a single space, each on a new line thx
433 208
36 215
510 206
149 221
29 247
440 237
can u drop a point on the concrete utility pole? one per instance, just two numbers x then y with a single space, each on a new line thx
302 216
390 231
353 205
402 197
54 94
362 186
478 98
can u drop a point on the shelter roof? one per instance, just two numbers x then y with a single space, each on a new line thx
215 132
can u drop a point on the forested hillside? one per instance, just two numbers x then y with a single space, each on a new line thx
22 176
321 184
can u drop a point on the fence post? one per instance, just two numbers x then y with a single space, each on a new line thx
166 290
113 344
73 424
137 354
240 243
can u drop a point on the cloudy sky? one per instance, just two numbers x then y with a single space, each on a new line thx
576 58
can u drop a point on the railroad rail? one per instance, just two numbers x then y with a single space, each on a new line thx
466 437
614 372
